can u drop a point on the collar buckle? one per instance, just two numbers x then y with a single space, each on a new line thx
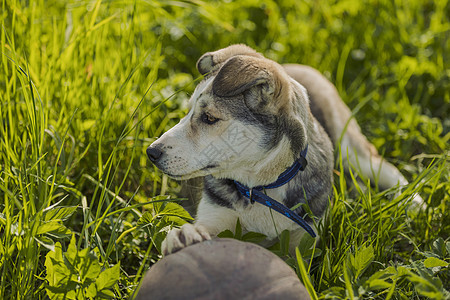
250 194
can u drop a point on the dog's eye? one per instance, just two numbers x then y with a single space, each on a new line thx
208 119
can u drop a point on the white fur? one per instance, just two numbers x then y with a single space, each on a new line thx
185 147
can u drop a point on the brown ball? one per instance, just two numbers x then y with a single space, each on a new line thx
222 269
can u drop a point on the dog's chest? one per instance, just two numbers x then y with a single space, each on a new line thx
259 218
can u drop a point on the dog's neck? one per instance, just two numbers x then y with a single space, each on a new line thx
266 170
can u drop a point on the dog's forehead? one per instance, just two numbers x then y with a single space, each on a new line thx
203 87
204 97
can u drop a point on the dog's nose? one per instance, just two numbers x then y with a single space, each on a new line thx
154 153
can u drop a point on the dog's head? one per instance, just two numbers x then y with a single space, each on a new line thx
246 117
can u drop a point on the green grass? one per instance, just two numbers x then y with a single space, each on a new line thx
85 87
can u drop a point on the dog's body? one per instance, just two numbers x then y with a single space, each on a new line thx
249 120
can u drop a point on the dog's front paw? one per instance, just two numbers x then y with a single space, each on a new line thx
187 235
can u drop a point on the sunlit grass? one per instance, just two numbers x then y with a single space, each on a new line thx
85 87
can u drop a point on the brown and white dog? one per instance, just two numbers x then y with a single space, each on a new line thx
249 120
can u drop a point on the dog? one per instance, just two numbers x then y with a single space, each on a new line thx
250 120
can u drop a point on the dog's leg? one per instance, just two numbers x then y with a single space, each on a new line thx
187 235
211 220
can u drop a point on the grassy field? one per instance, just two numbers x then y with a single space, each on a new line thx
86 86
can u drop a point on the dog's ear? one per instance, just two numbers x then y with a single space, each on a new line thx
259 80
210 60
239 74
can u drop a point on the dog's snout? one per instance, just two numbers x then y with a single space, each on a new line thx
154 153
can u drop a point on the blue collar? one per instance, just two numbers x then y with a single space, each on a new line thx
256 194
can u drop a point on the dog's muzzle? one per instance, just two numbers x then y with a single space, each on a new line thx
154 153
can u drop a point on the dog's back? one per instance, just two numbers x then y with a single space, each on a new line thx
337 120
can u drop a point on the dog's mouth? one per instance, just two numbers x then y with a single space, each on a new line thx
201 172
208 167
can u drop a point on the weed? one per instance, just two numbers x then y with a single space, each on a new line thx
85 87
